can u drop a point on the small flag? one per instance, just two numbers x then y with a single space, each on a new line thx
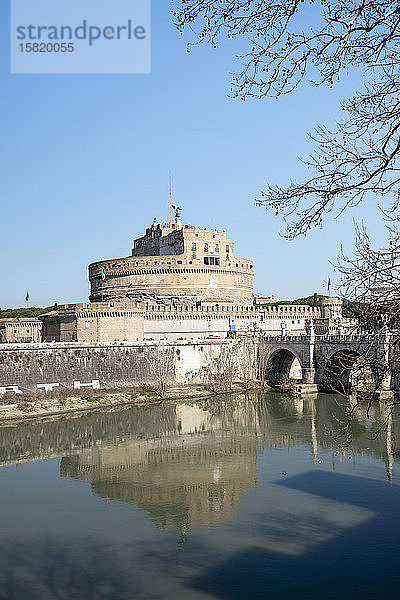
27 296
329 284
103 276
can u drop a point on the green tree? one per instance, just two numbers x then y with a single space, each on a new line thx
33 311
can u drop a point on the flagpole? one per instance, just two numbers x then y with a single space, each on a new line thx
170 200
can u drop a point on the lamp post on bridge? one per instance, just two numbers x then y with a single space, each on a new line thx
385 392
308 385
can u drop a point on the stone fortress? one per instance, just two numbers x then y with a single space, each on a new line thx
176 264
179 283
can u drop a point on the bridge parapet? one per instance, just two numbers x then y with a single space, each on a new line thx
285 338
353 338
322 338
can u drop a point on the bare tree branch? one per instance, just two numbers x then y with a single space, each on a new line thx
289 40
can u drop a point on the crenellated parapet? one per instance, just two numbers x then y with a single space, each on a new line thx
286 310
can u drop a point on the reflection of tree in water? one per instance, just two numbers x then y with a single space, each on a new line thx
48 569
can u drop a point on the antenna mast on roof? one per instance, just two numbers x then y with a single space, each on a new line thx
170 200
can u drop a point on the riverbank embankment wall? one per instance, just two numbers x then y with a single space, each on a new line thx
113 364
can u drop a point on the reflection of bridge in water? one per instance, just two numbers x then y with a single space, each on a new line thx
189 465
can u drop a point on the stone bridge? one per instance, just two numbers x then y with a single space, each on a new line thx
330 362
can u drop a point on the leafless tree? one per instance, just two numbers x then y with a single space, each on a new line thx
287 41
245 350
370 281
370 277
262 363
221 369
161 369
242 362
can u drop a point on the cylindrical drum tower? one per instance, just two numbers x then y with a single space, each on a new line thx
175 263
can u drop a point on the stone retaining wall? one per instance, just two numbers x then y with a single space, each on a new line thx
113 364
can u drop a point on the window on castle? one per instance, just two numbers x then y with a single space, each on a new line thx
194 246
227 249
217 261
193 254
206 247
206 260
216 247
227 257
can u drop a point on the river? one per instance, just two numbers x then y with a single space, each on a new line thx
228 498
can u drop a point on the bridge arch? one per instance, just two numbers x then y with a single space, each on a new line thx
283 366
346 370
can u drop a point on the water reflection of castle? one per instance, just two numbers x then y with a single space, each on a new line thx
195 474
192 478
189 465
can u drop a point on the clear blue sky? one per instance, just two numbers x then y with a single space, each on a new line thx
85 162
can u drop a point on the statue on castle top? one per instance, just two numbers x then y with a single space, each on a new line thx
178 211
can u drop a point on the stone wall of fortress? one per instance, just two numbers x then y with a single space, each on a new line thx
23 329
117 364
109 322
93 327
191 322
116 321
